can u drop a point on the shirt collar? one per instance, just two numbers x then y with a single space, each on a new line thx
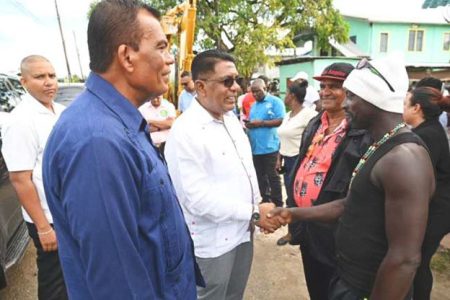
324 122
115 101
38 106
202 115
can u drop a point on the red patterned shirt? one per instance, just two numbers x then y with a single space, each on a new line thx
314 167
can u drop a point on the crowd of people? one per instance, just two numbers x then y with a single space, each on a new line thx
129 201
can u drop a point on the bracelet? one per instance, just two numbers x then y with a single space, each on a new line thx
45 232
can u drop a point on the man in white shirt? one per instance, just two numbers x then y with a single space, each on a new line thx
159 114
24 138
210 162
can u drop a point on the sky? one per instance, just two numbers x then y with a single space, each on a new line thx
30 27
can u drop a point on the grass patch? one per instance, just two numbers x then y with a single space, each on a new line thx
441 261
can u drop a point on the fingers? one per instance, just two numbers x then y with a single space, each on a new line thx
49 242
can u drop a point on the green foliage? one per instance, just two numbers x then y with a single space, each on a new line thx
251 27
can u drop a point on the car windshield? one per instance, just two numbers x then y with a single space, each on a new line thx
66 94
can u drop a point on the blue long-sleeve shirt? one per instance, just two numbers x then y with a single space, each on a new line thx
121 233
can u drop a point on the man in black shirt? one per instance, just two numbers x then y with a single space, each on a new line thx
383 218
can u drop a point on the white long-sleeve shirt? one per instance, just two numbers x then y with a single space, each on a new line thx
211 166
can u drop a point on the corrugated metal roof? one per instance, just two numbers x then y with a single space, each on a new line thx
435 3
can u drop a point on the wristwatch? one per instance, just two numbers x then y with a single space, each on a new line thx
255 217
255 214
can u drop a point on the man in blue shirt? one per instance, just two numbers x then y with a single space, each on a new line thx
265 116
121 232
188 93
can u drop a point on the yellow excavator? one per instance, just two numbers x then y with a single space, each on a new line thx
179 25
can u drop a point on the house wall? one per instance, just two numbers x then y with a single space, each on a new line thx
361 29
368 40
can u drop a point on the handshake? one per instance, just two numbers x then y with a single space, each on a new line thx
272 218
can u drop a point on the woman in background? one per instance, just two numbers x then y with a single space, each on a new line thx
422 109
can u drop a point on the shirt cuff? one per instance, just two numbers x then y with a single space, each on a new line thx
244 211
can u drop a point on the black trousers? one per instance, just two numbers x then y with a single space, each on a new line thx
438 227
268 179
318 275
340 291
51 284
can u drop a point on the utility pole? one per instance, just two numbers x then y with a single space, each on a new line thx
64 44
78 55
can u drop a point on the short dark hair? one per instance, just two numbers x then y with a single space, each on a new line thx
185 74
265 79
430 82
205 62
298 89
111 24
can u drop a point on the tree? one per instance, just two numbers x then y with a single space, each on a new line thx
248 28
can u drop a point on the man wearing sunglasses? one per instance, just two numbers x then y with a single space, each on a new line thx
266 115
188 92
382 219
210 162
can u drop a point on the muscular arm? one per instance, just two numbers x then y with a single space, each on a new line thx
408 188
29 199
328 212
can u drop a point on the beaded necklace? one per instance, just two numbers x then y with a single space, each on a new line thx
374 148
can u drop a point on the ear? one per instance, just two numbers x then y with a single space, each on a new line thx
125 57
200 87
417 108
23 81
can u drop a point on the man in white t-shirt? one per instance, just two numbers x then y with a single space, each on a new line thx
24 138
159 114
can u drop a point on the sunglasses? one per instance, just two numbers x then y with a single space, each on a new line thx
227 81
364 63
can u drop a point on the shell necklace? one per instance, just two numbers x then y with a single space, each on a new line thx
374 148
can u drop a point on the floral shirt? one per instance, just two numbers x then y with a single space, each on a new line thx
316 163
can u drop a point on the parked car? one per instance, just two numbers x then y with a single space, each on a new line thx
10 92
67 92
13 231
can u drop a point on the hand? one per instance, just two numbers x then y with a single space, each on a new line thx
153 128
267 225
282 215
278 163
254 124
48 241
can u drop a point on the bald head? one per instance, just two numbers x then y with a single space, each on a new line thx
258 88
27 61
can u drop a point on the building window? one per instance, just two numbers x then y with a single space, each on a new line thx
446 41
415 41
383 42
353 39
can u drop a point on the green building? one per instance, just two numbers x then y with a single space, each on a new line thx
424 41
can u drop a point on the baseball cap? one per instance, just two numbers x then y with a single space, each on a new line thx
300 75
335 71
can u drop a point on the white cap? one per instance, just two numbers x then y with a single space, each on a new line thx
368 85
300 75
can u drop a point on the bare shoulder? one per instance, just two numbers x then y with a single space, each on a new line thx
408 162
405 154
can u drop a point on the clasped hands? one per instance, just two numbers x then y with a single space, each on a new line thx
272 218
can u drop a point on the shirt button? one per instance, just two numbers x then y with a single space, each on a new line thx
161 182
226 239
